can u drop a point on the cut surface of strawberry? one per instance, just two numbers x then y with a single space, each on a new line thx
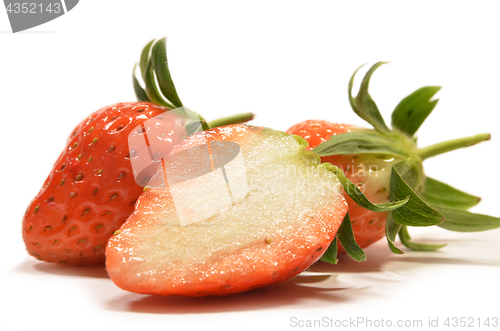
291 212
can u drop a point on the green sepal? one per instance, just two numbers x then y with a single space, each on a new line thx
330 255
193 127
459 220
144 58
360 142
194 121
139 91
415 212
412 111
301 140
152 90
412 173
406 240
160 65
355 193
346 238
195 116
408 170
364 106
391 230
441 194
352 100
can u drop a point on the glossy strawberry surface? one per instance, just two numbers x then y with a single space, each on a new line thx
91 189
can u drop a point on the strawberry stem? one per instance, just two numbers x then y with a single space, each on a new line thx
233 119
451 145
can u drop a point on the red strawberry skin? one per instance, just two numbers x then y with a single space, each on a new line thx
317 132
91 189
368 226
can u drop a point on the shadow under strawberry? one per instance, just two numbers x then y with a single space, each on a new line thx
295 292
41 268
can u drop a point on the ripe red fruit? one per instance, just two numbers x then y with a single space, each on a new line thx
283 222
91 189
368 226
316 132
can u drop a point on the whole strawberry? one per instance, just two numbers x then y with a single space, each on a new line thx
386 165
91 189
93 186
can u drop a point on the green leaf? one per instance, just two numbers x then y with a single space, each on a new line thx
144 58
330 255
391 230
456 219
139 91
415 212
406 240
352 100
412 173
193 127
355 193
160 65
360 143
152 89
412 111
438 193
365 107
346 238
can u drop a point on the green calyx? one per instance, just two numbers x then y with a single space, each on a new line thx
357 195
159 88
415 200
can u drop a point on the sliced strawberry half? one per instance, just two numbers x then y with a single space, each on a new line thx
288 217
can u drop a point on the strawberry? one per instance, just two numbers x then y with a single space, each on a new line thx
368 226
94 185
386 165
288 212
91 189
232 209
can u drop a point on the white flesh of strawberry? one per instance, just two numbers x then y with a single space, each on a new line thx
289 192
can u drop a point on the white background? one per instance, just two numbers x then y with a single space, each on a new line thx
287 62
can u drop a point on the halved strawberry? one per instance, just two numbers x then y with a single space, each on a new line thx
233 209
289 214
